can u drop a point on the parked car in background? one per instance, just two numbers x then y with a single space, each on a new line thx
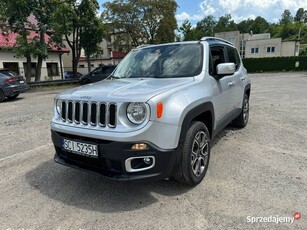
70 75
97 74
11 84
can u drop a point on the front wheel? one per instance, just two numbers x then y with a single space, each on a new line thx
242 120
194 155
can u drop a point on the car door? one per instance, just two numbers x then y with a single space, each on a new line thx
222 87
237 79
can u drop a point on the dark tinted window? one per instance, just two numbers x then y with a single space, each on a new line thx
96 71
9 73
217 57
233 56
107 69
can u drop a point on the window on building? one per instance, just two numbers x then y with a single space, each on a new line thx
13 66
81 66
270 49
52 69
255 50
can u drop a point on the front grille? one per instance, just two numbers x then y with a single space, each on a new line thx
89 113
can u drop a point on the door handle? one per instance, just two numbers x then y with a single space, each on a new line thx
242 78
231 84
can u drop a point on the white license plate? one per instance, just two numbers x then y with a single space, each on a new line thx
80 148
22 82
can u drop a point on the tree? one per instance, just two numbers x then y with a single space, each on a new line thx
206 26
189 33
301 15
14 18
260 25
286 18
246 26
225 24
90 39
134 22
74 18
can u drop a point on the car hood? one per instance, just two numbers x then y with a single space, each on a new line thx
124 90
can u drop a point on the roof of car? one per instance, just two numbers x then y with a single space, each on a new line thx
210 40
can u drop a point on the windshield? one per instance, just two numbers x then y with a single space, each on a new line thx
178 60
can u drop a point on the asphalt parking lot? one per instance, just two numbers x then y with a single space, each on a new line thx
259 171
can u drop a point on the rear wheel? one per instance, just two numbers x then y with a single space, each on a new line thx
13 97
242 119
194 155
2 96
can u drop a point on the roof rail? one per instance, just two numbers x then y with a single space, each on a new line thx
215 39
143 45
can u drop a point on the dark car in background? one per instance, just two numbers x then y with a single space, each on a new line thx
97 74
70 75
11 84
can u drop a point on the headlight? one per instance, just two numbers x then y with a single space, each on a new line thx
58 106
136 112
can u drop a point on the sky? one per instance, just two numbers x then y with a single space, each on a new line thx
271 10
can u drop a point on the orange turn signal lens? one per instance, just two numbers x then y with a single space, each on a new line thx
159 110
141 146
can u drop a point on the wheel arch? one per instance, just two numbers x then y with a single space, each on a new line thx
204 113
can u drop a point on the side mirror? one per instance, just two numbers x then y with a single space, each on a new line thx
225 69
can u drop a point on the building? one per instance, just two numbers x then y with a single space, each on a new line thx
106 57
261 45
52 67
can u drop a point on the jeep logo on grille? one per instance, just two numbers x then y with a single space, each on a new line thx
86 97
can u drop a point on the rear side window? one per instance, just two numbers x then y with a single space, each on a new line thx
9 73
233 56
2 75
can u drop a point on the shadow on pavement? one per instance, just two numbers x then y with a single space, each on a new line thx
96 193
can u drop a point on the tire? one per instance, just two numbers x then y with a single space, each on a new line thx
13 97
2 96
85 81
242 120
193 156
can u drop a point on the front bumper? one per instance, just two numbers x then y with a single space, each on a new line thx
112 158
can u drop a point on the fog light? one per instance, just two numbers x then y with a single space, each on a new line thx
141 146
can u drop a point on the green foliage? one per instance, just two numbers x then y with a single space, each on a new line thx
288 28
225 24
286 18
134 22
76 20
254 65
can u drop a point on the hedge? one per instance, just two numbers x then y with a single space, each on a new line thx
275 64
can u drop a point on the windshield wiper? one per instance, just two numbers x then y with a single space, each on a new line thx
111 77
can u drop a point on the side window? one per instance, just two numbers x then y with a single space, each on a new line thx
233 56
217 57
97 71
107 70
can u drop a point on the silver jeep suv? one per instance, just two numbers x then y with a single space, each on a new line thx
156 115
